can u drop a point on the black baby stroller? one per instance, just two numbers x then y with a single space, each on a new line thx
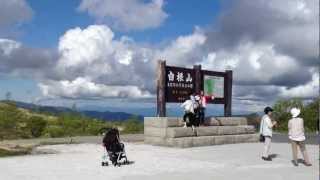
114 149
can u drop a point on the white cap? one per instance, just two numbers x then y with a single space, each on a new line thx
295 112
197 97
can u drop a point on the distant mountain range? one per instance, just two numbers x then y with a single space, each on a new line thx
143 111
106 115
120 114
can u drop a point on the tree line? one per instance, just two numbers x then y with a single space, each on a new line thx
309 113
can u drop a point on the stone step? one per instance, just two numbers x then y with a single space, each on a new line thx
186 142
175 132
162 122
226 121
225 130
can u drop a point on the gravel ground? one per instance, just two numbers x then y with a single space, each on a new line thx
277 137
224 162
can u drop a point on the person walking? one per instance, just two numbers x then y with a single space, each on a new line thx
266 126
297 137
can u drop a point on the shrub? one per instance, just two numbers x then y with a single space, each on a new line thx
54 131
10 117
133 126
309 112
94 127
36 125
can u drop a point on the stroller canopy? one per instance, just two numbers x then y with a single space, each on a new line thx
111 138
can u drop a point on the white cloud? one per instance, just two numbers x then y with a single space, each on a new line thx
109 67
13 12
125 58
293 9
254 59
86 89
182 50
126 15
252 63
82 47
93 53
19 60
91 62
7 46
254 98
271 52
308 90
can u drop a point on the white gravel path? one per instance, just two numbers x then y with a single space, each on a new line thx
237 161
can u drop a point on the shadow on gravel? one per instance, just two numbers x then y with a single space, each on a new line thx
119 164
273 156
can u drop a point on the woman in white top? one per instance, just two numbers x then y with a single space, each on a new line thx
297 137
189 116
266 126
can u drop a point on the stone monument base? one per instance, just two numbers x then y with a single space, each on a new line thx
168 131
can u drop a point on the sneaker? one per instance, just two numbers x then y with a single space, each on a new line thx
307 164
295 163
266 158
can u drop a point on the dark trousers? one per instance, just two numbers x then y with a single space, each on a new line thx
197 117
202 115
189 118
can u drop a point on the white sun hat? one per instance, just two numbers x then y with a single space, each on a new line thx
295 112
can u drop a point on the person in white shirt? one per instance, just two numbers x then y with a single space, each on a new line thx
297 137
189 115
266 126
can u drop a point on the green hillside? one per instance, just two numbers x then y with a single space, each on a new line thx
17 123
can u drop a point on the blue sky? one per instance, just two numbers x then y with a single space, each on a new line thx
107 50
52 18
